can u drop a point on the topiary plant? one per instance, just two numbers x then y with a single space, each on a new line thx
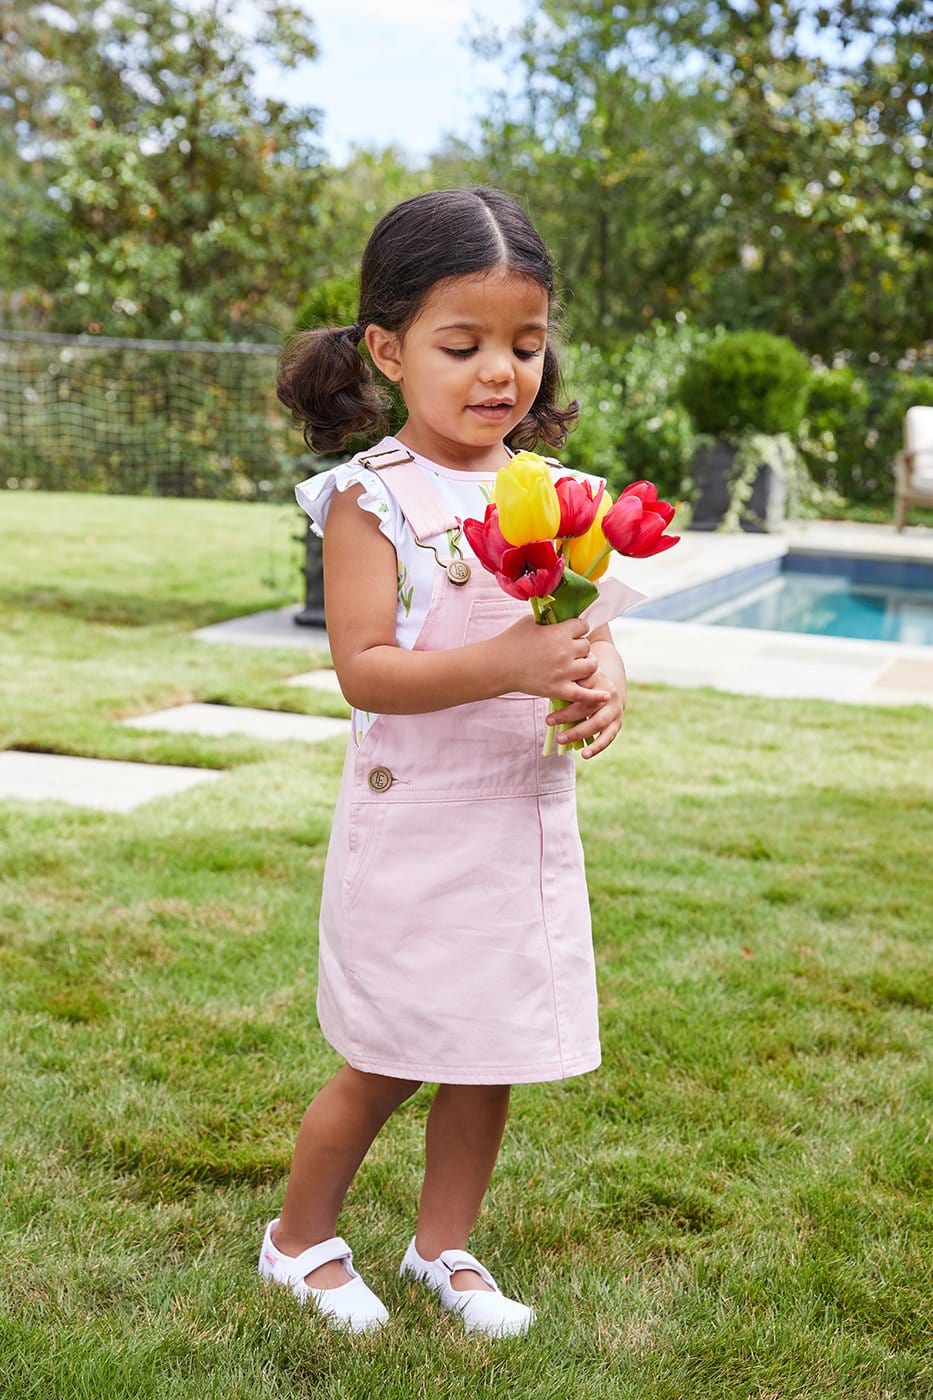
746 381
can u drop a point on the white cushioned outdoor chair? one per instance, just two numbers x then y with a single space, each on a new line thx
914 466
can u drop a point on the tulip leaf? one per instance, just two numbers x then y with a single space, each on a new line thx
572 595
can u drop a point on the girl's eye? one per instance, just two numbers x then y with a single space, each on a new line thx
459 354
527 354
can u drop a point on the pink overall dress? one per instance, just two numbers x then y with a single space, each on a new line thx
455 942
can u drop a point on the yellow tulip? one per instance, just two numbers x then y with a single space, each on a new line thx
581 552
528 505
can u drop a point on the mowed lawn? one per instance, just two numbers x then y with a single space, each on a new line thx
737 1204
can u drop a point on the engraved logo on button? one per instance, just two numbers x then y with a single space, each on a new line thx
380 779
458 571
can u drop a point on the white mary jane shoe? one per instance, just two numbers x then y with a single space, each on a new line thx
491 1313
351 1305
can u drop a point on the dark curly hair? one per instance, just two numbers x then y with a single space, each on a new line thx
324 379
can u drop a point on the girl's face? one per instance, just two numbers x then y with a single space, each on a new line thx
469 365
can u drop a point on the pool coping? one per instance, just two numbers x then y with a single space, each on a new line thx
777 664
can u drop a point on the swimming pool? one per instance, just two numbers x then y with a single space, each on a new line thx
881 600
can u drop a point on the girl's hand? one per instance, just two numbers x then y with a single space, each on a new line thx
554 660
598 717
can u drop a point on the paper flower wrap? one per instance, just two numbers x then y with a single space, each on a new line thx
549 541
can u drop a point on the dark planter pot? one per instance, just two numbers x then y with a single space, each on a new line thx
312 614
713 468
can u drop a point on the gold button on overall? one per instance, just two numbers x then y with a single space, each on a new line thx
380 779
458 571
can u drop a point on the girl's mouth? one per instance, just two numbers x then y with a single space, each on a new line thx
492 409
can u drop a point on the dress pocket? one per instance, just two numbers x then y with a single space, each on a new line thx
366 822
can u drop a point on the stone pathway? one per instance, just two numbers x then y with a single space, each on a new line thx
785 665
109 785
318 680
237 719
275 627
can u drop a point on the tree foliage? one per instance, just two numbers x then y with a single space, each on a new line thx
150 190
756 164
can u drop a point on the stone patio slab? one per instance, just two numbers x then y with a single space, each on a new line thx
318 680
276 627
909 675
238 719
109 785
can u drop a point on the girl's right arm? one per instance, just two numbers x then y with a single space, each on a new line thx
375 674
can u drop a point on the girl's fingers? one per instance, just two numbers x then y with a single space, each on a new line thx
580 702
603 740
600 727
586 704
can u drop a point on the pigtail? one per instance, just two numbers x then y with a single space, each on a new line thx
325 382
544 421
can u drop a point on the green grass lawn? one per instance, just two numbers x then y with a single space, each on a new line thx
737 1204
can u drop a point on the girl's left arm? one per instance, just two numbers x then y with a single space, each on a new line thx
602 723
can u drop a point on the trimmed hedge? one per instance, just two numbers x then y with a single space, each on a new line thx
746 381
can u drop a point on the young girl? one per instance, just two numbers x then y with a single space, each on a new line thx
455 943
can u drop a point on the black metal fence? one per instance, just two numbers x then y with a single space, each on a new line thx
144 417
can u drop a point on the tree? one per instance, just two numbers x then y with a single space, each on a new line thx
757 164
151 191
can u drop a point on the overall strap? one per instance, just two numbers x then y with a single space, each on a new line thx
423 507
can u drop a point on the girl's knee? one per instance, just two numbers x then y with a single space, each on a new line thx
476 1096
382 1088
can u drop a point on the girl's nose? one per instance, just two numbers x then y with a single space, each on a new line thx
497 368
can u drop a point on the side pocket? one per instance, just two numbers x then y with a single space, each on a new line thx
366 821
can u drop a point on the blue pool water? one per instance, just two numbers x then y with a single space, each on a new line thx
830 607
871 599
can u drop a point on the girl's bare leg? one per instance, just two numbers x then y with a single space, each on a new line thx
335 1134
464 1133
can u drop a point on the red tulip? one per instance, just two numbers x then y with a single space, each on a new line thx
622 522
635 525
651 538
487 540
530 570
578 505
647 493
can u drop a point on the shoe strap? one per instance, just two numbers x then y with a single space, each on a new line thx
317 1255
454 1259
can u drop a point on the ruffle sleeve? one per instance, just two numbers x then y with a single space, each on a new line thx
316 493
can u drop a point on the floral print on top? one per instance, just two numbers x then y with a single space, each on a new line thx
466 493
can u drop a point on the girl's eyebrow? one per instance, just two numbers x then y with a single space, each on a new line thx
478 326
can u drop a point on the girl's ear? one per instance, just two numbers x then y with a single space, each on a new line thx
385 350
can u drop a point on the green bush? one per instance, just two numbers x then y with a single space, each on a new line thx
746 381
332 302
835 431
632 424
854 428
891 396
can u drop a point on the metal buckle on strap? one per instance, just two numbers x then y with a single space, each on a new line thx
393 458
457 569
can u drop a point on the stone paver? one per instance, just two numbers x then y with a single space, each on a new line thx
276 627
109 785
238 719
317 680
746 661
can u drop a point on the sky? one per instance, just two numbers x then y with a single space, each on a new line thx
396 72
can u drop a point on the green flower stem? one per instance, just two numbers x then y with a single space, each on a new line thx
603 554
544 614
554 729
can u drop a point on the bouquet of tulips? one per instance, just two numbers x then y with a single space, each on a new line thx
549 541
